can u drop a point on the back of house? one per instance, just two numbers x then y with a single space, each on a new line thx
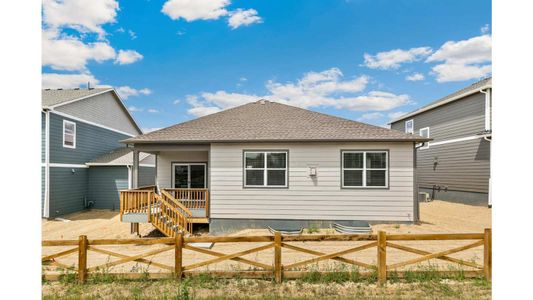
83 162
270 164
455 165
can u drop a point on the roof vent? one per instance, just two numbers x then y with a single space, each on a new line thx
263 101
59 89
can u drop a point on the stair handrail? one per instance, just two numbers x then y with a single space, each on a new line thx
175 202
178 214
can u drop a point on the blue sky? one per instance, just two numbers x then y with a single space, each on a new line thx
179 59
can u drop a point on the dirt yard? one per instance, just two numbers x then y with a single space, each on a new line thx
437 217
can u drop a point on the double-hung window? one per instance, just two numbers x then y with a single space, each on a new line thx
265 168
69 134
365 169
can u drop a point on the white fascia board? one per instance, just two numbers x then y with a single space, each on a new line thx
435 105
90 123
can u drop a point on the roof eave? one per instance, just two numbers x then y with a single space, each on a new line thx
132 141
438 104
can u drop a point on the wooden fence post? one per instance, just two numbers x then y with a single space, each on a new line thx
277 257
178 256
82 259
382 257
487 254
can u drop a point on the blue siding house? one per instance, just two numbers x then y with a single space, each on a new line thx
84 165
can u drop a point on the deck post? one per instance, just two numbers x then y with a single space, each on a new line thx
487 254
277 257
82 259
178 256
382 257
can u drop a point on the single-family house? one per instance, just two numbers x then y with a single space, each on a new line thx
455 165
83 162
270 164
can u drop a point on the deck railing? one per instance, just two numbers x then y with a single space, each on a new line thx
136 201
192 198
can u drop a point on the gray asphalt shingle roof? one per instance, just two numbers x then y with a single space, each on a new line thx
120 157
52 97
264 121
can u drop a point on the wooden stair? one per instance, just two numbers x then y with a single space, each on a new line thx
166 213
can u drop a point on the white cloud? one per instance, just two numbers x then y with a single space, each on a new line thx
125 57
485 29
177 101
125 92
134 109
69 53
242 17
153 110
394 58
374 100
147 130
463 60
396 114
191 10
54 80
82 15
132 34
460 72
326 89
415 77
370 116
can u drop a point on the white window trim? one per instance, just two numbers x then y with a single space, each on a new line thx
65 122
364 169
412 126
266 169
426 144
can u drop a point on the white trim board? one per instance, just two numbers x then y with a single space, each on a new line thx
468 138
59 165
89 122
117 165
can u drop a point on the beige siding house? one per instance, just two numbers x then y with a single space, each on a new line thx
269 164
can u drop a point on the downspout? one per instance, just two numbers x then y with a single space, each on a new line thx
416 207
46 208
488 128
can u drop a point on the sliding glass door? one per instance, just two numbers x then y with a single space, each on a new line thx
189 175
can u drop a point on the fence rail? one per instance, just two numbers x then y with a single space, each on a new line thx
277 270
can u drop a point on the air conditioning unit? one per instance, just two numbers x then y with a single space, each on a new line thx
423 197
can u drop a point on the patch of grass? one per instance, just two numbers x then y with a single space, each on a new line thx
312 229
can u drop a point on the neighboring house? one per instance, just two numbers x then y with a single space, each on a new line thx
80 127
270 164
455 165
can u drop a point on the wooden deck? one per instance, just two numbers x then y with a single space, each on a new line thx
172 211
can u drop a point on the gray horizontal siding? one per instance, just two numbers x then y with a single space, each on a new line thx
105 184
146 176
91 142
43 188
457 119
43 137
306 198
462 166
102 109
68 190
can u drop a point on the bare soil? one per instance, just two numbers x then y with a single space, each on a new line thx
437 217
